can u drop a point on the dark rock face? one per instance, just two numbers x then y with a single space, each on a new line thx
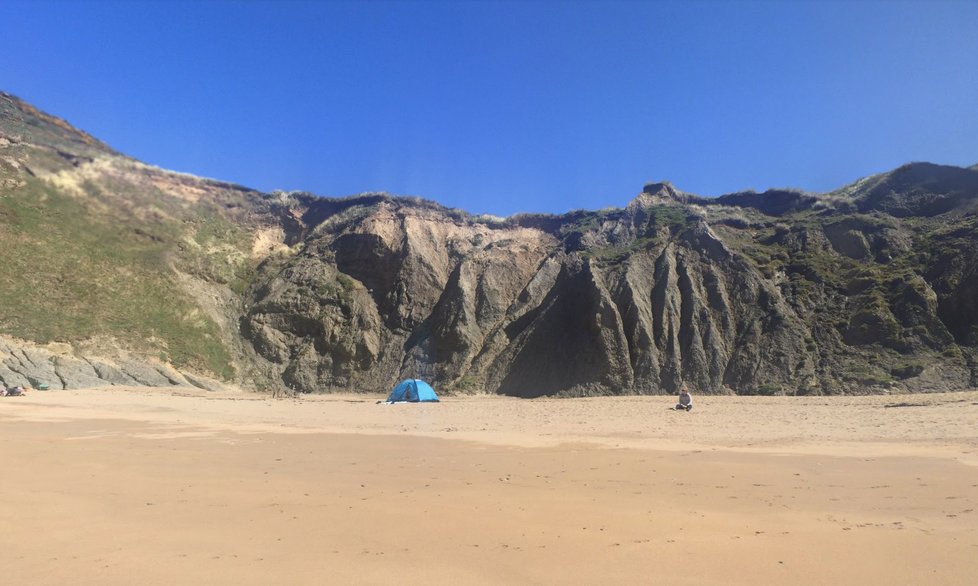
640 300
775 202
391 291
919 189
572 342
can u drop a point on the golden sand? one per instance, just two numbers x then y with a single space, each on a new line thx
137 486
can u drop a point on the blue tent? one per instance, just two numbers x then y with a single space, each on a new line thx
412 390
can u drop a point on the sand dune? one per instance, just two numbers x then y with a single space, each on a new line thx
160 487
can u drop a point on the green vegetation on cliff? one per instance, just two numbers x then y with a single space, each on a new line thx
70 274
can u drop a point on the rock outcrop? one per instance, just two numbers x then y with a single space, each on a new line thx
799 295
59 367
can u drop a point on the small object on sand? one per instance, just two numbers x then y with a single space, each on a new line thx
685 400
42 386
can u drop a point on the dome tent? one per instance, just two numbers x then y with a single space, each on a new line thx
412 390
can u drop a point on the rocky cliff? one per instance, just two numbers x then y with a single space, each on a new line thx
864 289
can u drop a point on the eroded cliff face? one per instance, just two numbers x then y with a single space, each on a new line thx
804 296
870 288
384 290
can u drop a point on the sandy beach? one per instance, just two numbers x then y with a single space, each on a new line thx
122 486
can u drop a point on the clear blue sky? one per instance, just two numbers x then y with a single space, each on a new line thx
503 107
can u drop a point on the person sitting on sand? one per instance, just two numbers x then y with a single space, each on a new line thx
685 400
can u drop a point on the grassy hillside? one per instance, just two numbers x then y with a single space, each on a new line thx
102 251
70 274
